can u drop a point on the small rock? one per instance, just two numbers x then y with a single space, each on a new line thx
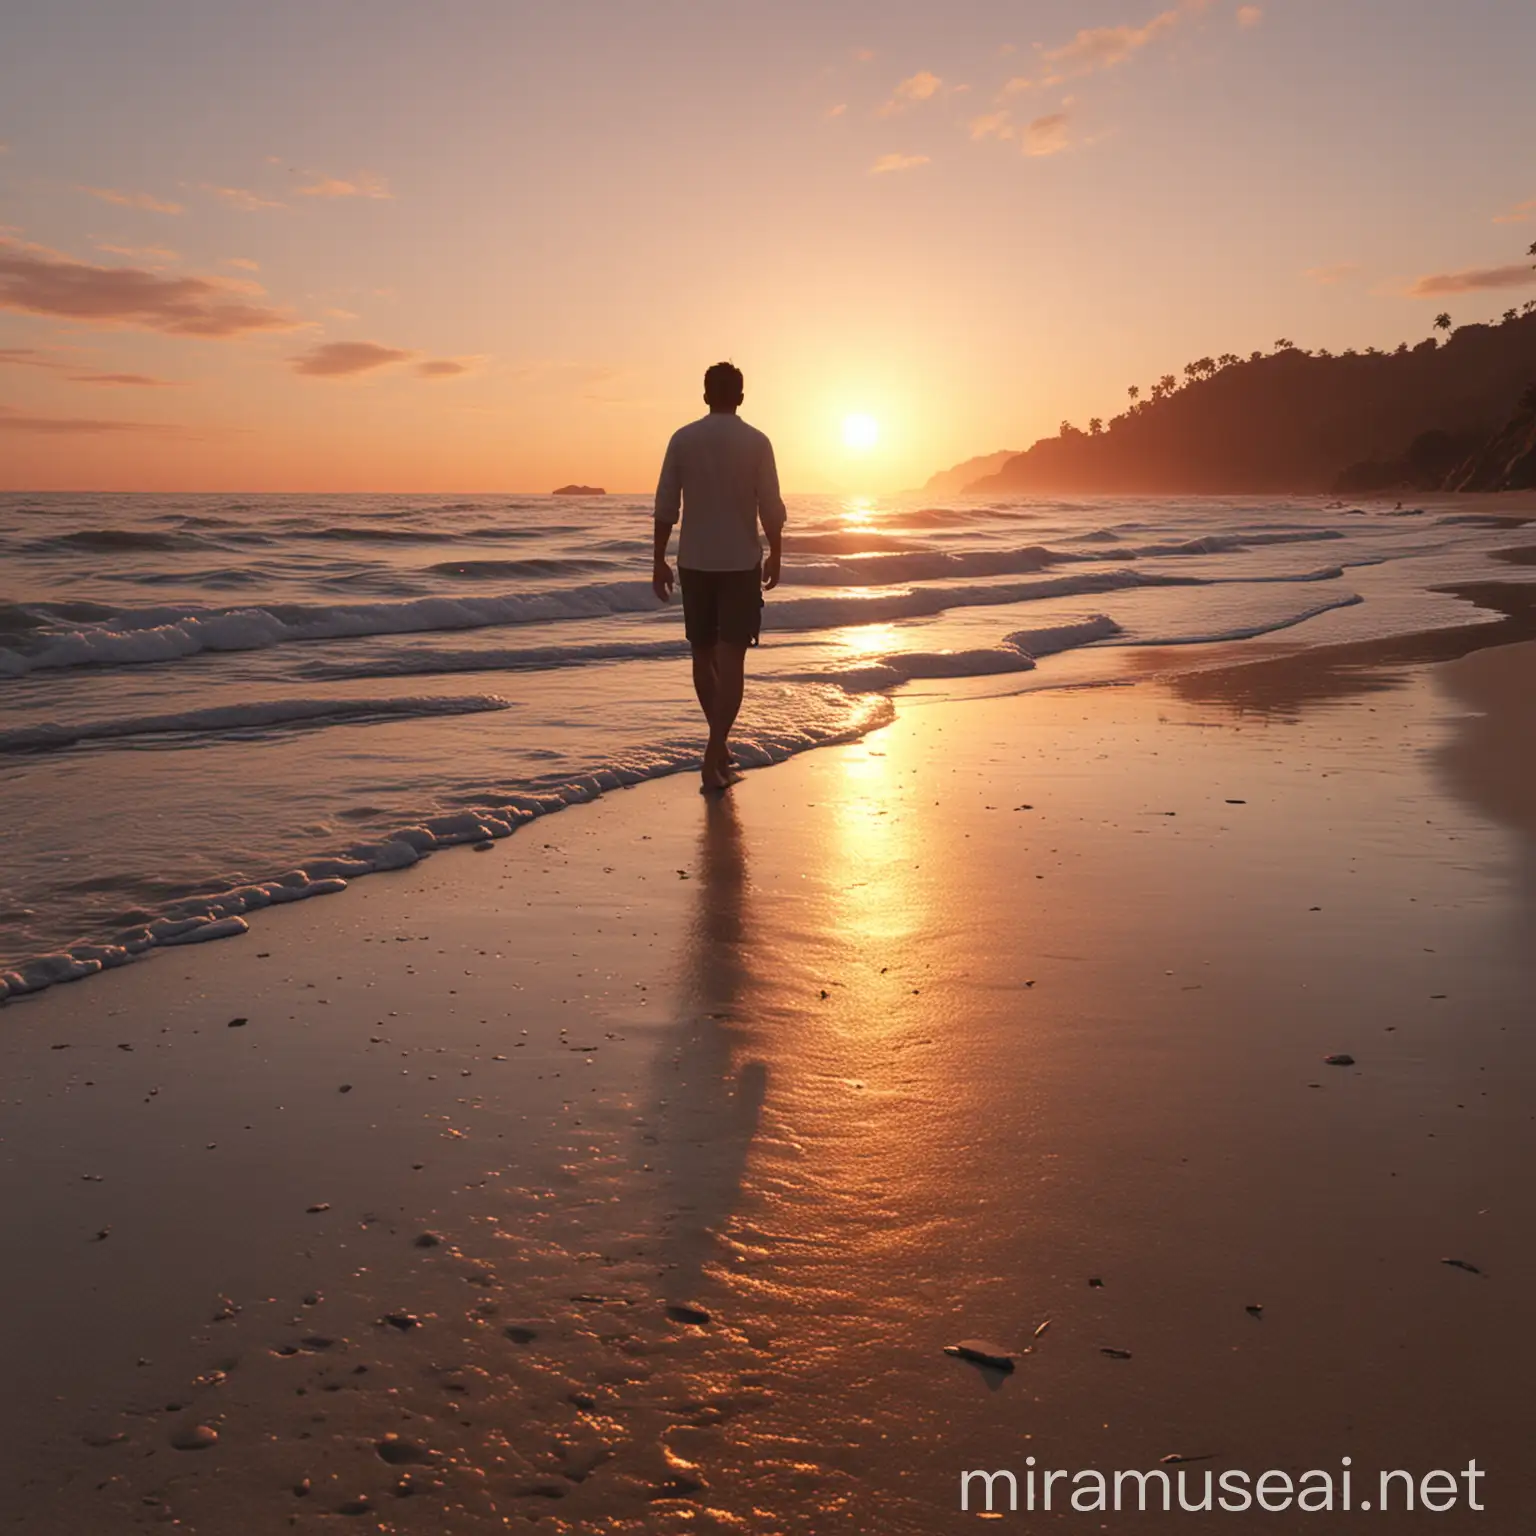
102 1235
680 1313
358 1506
237 1023
200 1437
1340 1059
345 1088
302 1487
1115 1354
1255 1309
1471 1269
404 1321
484 847
1095 1283
521 1335
428 1240
399 1452
979 1352
315 1210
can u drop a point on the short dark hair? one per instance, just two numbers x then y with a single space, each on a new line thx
723 384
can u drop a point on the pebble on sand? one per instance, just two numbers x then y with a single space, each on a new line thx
428 1240
980 1352
681 1313
404 1321
237 1023
1115 1354
399 1452
1471 1269
197 1438
1340 1059
315 1210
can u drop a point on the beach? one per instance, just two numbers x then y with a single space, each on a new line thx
634 1173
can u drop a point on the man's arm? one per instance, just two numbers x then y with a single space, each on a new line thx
669 501
770 510
661 572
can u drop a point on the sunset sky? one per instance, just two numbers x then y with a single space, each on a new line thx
490 245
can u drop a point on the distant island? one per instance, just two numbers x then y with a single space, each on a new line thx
950 482
579 490
1457 415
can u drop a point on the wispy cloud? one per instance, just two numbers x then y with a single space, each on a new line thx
887 163
923 86
445 367
243 262
994 125
836 111
863 55
244 199
123 380
1521 213
1096 48
1250 15
1472 280
1048 135
344 359
28 357
1336 272
42 282
330 186
154 253
13 420
133 199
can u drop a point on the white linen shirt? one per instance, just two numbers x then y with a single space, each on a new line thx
720 475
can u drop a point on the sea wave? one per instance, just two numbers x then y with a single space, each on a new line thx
259 715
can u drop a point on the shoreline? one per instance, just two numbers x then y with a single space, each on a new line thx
226 913
900 1044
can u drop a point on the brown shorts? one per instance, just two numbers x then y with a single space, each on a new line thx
722 605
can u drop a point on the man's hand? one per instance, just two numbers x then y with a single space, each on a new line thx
771 570
662 580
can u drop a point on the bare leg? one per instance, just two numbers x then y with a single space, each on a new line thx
704 680
730 676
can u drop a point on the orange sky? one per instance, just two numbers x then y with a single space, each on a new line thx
492 245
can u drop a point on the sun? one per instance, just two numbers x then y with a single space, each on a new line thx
860 432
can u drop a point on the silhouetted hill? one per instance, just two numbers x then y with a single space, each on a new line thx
950 482
1291 420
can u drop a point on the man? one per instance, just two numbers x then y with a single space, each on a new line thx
719 473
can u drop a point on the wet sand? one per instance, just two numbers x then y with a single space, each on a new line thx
902 1043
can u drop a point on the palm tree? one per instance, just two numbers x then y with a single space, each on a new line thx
1285 344
1227 359
1169 383
1442 321
1134 392
1254 357
1528 306
1510 314
1095 425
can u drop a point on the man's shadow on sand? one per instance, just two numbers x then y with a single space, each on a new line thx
705 1108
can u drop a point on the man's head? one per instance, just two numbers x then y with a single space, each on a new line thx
723 387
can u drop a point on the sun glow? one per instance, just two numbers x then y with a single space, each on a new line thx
860 432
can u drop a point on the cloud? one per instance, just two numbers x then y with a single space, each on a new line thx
129 380
836 111
1472 280
247 202
12 420
140 252
344 359
28 357
133 200
442 368
41 282
1096 48
995 125
364 186
923 86
1250 15
243 262
1521 213
1334 273
863 55
887 163
1047 135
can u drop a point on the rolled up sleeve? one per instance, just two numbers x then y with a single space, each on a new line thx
770 504
669 488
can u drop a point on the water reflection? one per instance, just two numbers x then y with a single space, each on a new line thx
709 1100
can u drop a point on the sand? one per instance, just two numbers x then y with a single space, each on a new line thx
903 1043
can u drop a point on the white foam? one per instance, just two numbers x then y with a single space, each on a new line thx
235 717
199 919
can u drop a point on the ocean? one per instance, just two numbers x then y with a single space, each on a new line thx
213 703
